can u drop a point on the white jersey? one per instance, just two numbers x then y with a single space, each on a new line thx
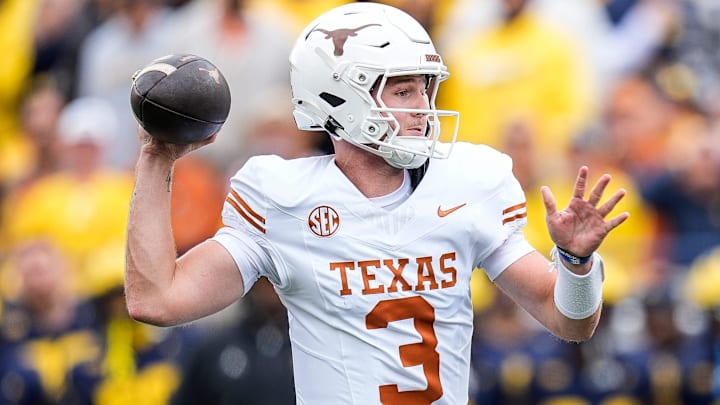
378 300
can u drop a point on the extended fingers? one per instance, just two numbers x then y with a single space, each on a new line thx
548 200
581 182
615 221
599 189
610 204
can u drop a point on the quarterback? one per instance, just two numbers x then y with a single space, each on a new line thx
371 248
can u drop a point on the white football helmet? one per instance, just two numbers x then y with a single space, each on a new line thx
342 55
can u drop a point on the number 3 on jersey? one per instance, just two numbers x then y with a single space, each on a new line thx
414 354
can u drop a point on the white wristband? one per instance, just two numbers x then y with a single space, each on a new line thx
578 296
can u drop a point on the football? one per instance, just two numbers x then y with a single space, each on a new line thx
180 99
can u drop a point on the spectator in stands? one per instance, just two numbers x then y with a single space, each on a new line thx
16 42
639 120
83 206
132 36
196 202
616 37
45 328
685 196
695 40
248 362
59 29
136 364
520 69
39 147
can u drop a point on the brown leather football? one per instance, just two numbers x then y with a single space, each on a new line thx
180 98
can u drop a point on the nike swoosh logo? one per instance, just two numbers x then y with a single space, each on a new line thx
443 213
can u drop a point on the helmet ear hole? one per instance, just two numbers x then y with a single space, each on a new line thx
332 99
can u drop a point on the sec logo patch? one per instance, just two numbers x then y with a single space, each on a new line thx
324 221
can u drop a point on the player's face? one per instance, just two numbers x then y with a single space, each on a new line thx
408 92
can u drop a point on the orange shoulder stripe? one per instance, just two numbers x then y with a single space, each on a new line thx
514 207
520 212
246 212
247 207
514 217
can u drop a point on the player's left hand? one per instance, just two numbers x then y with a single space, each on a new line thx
581 227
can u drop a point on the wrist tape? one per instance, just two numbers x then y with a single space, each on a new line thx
578 296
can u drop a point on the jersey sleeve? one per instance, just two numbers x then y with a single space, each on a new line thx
514 247
511 204
251 259
507 215
244 218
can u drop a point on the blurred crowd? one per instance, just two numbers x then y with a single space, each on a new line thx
628 87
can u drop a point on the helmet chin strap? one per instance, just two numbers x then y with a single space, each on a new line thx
406 159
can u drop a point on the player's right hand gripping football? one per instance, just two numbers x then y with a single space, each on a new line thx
172 151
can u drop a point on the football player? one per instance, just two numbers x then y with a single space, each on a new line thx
371 248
